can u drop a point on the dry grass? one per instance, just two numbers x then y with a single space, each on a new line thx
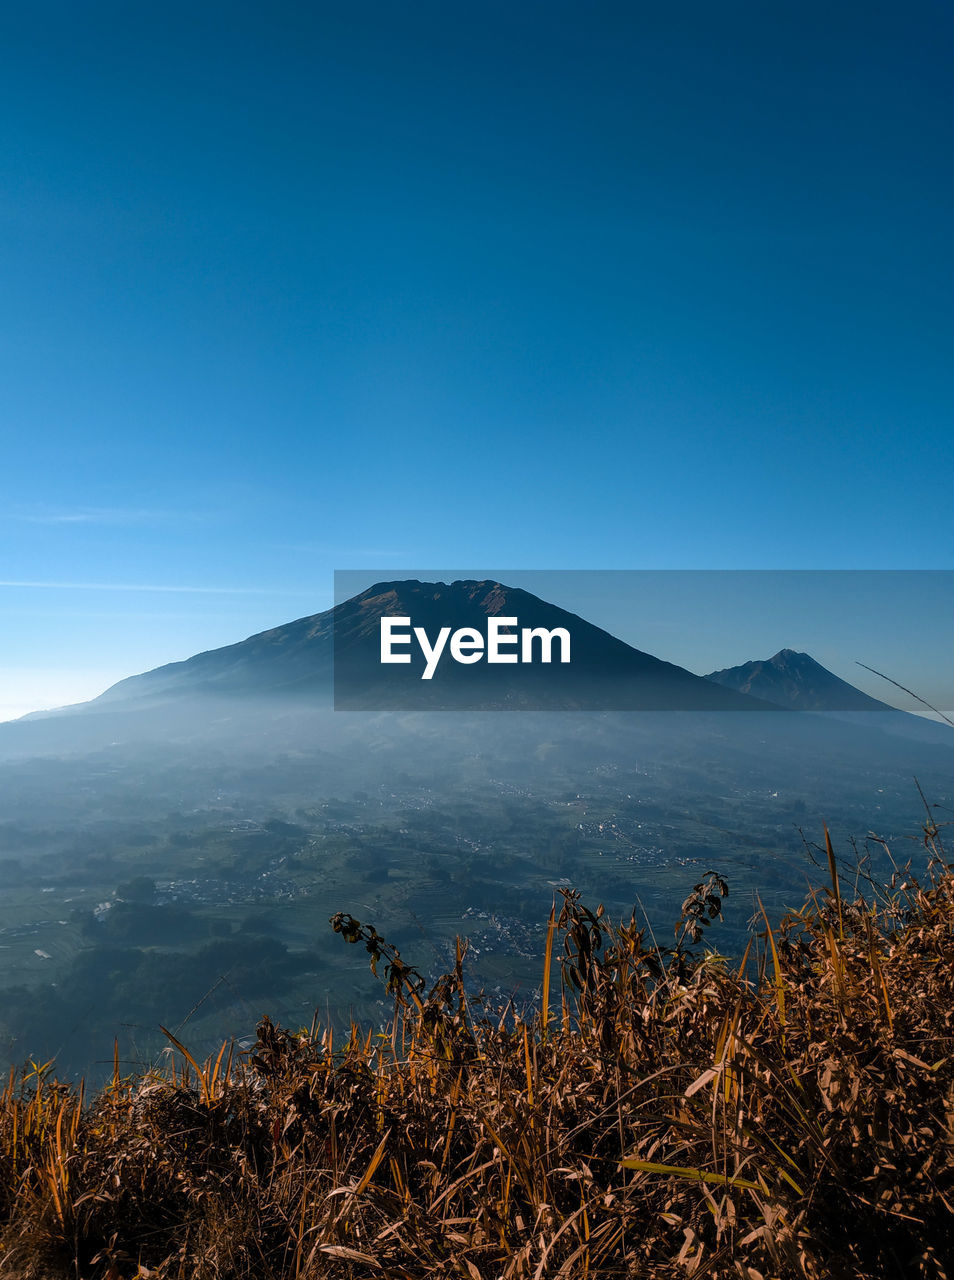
664 1114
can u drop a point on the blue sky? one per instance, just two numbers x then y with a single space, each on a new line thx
293 289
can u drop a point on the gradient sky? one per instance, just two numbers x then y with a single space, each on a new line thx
293 288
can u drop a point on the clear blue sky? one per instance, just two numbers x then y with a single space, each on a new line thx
288 288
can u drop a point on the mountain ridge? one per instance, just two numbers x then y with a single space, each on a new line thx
299 659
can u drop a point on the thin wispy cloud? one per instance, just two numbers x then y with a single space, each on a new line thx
113 516
372 553
154 586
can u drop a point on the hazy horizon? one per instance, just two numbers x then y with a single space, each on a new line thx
702 620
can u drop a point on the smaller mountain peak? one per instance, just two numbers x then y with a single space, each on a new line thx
791 655
797 680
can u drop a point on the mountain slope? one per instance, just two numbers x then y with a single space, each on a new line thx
797 681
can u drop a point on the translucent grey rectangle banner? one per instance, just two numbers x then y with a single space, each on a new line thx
842 641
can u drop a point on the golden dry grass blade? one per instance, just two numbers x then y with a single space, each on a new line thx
687 1174
372 1167
547 965
201 1076
835 885
777 976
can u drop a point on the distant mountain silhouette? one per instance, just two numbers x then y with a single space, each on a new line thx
298 660
797 681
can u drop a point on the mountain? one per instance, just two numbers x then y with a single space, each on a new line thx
299 660
797 681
